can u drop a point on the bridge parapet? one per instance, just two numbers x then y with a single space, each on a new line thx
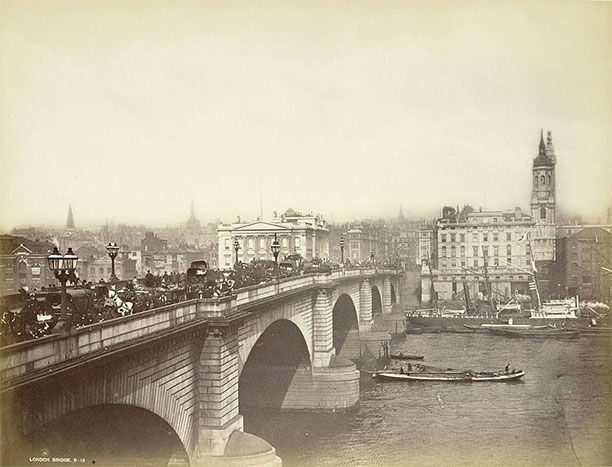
35 356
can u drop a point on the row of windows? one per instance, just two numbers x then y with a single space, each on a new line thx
262 242
452 238
476 263
475 250
462 278
541 180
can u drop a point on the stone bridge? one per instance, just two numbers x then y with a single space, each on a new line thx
197 364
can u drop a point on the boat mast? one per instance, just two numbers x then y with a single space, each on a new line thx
432 289
534 274
487 283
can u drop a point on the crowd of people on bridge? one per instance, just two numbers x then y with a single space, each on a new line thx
35 313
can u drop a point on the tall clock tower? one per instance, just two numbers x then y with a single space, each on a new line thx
543 201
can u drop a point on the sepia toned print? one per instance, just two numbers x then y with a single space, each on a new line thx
305 233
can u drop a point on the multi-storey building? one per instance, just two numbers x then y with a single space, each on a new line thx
306 235
96 267
23 263
497 247
584 261
363 240
425 243
404 241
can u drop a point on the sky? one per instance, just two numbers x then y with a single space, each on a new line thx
351 109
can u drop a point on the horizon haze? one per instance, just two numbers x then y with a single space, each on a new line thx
347 109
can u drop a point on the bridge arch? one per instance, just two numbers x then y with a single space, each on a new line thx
109 434
278 357
376 301
344 320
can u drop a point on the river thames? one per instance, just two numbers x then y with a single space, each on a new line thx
559 414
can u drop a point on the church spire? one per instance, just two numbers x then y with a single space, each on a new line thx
70 219
542 145
192 216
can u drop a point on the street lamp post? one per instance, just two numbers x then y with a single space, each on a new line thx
113 250
236 248
63 267
275 252
342 250
372 256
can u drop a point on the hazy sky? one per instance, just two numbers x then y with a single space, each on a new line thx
131 109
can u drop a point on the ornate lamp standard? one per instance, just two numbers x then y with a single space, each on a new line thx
342 250
275 252
236 248
63 267
113 249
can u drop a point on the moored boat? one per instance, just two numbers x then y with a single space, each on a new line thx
550 332
401 356
455 377
452 376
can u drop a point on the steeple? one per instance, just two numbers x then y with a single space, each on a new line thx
542 145
192 216
543 155
70 220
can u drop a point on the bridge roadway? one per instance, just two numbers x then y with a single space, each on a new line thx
184 362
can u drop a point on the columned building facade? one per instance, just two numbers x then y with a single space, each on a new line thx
305 235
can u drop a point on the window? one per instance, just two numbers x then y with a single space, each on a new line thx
496 237
496 261
485 251
452 237
462 250
508 236
495 219
297 242
443 251
453 263
262 243
549 179
509 260
475 251
476 262
535 181
485 237
495 251
527 262
443 263
462 237
542 180
284 242
443 238
474 237
542 213
508 250
463 263
453 251
227 243
586 279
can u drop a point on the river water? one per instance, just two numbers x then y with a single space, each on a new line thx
559 414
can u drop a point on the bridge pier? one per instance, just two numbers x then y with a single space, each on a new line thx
323 328
386 295
219 426
365 306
